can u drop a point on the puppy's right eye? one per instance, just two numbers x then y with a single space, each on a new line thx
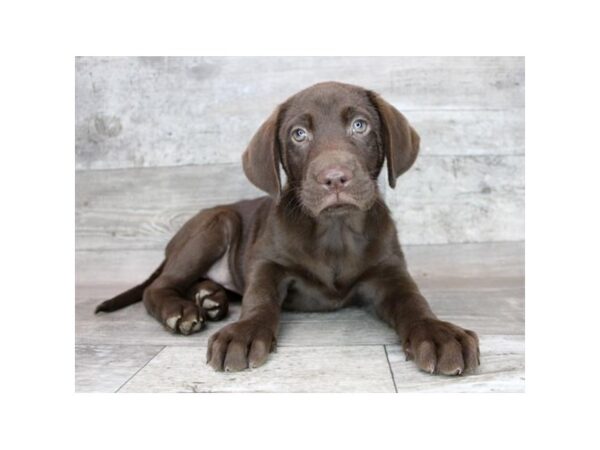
299 134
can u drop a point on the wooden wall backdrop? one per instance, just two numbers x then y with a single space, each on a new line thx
158 138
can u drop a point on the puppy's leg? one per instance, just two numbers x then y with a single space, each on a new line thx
248 342
190 254
436 346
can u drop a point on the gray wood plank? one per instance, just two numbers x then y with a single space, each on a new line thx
105 368
441 200
459 82
470 133
290 369
502 369
460 199
467 263
114 269
142 112
143 208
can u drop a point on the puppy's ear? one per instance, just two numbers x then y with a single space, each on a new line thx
261 159
400 140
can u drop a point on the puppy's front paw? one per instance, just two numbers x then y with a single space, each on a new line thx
240 345
441 347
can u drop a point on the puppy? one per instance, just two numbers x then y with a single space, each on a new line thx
322 241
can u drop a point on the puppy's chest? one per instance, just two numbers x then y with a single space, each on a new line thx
324 281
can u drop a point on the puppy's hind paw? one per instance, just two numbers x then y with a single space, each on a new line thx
214 303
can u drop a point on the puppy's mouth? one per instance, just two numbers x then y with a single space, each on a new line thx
338 203
318 201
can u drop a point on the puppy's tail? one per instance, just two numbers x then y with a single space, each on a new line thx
130 296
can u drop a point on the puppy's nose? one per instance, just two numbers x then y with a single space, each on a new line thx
335 178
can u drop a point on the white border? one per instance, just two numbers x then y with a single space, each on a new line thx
39 42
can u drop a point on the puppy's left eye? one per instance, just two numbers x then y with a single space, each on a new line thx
359 126
299 134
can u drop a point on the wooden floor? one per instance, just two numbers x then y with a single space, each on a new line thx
478 286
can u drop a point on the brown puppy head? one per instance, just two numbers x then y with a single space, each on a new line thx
331 140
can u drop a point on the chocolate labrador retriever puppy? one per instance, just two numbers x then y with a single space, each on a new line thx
323 241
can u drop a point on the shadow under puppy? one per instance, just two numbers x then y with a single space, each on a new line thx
323 241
